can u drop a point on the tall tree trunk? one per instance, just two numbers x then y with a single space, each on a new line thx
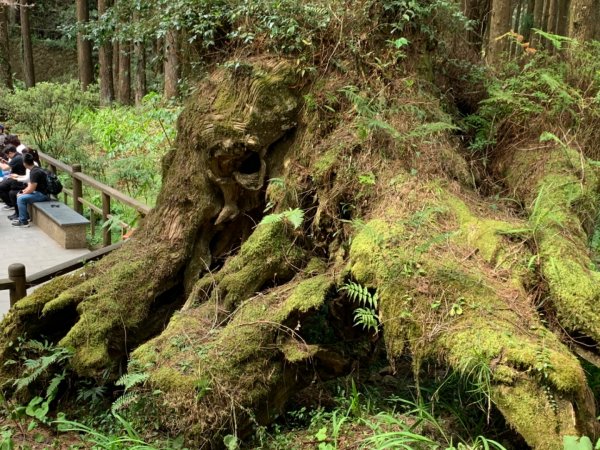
553 17
538 14
171 64
528 21
139 50
140 72
28 69
500 24
84 46
107 89
516 26
124 91
582 23
562 21
115 65
5 68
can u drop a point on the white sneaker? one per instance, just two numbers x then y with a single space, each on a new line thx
6 207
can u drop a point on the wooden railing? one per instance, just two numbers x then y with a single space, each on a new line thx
79 179
18 281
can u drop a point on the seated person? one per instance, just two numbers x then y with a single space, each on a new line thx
22 181
36 191
16 167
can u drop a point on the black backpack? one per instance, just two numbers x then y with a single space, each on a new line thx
53 184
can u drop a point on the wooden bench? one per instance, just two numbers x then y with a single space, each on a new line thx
61 223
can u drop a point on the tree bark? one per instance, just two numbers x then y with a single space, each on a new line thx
171 68
124 92
582 22
84 46
500 23
562 21
116 58
5 66
28 68
140 66
538 15
107 90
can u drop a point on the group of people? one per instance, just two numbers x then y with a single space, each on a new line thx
23 181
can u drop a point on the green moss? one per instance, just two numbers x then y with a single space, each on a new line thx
268 253
527 407
325 163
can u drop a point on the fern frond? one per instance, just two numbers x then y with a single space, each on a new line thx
130 380
124 400
366 318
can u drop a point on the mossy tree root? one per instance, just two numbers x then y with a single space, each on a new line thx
457 294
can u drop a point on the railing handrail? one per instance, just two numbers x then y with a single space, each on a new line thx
104 188
60 269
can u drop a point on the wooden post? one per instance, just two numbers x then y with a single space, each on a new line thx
106 234
77 190
92 223
16 273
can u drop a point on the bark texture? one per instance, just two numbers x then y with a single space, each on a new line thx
5 68
28 68
84 47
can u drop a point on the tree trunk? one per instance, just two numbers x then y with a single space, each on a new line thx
171 64
28 69
538 15
124 92
562 22
500 23
582 23
84 47
107 90
263 310
140 66
116 58
528 22
5 67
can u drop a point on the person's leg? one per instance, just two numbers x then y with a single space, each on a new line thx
13 201
26 199
5 188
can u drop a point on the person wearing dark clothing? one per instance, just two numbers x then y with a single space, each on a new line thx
17 168
36 191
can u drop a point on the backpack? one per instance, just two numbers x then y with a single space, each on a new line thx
53 184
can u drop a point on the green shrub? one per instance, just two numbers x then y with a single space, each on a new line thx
48 113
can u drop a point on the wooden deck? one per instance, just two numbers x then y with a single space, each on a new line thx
28 246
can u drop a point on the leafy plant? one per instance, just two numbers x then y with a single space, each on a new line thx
130 440
48 112
294 217
365 315
128 381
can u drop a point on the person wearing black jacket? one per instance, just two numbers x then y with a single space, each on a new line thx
17 168
36 191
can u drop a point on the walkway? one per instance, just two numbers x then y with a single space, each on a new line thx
29 246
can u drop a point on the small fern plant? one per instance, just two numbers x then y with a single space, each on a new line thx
128 381
294 217
365 315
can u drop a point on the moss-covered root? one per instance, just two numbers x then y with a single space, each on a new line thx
562 197
226 130
456 294
269 255
211 377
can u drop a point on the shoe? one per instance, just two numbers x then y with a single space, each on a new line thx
18 223
7 207
13 217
